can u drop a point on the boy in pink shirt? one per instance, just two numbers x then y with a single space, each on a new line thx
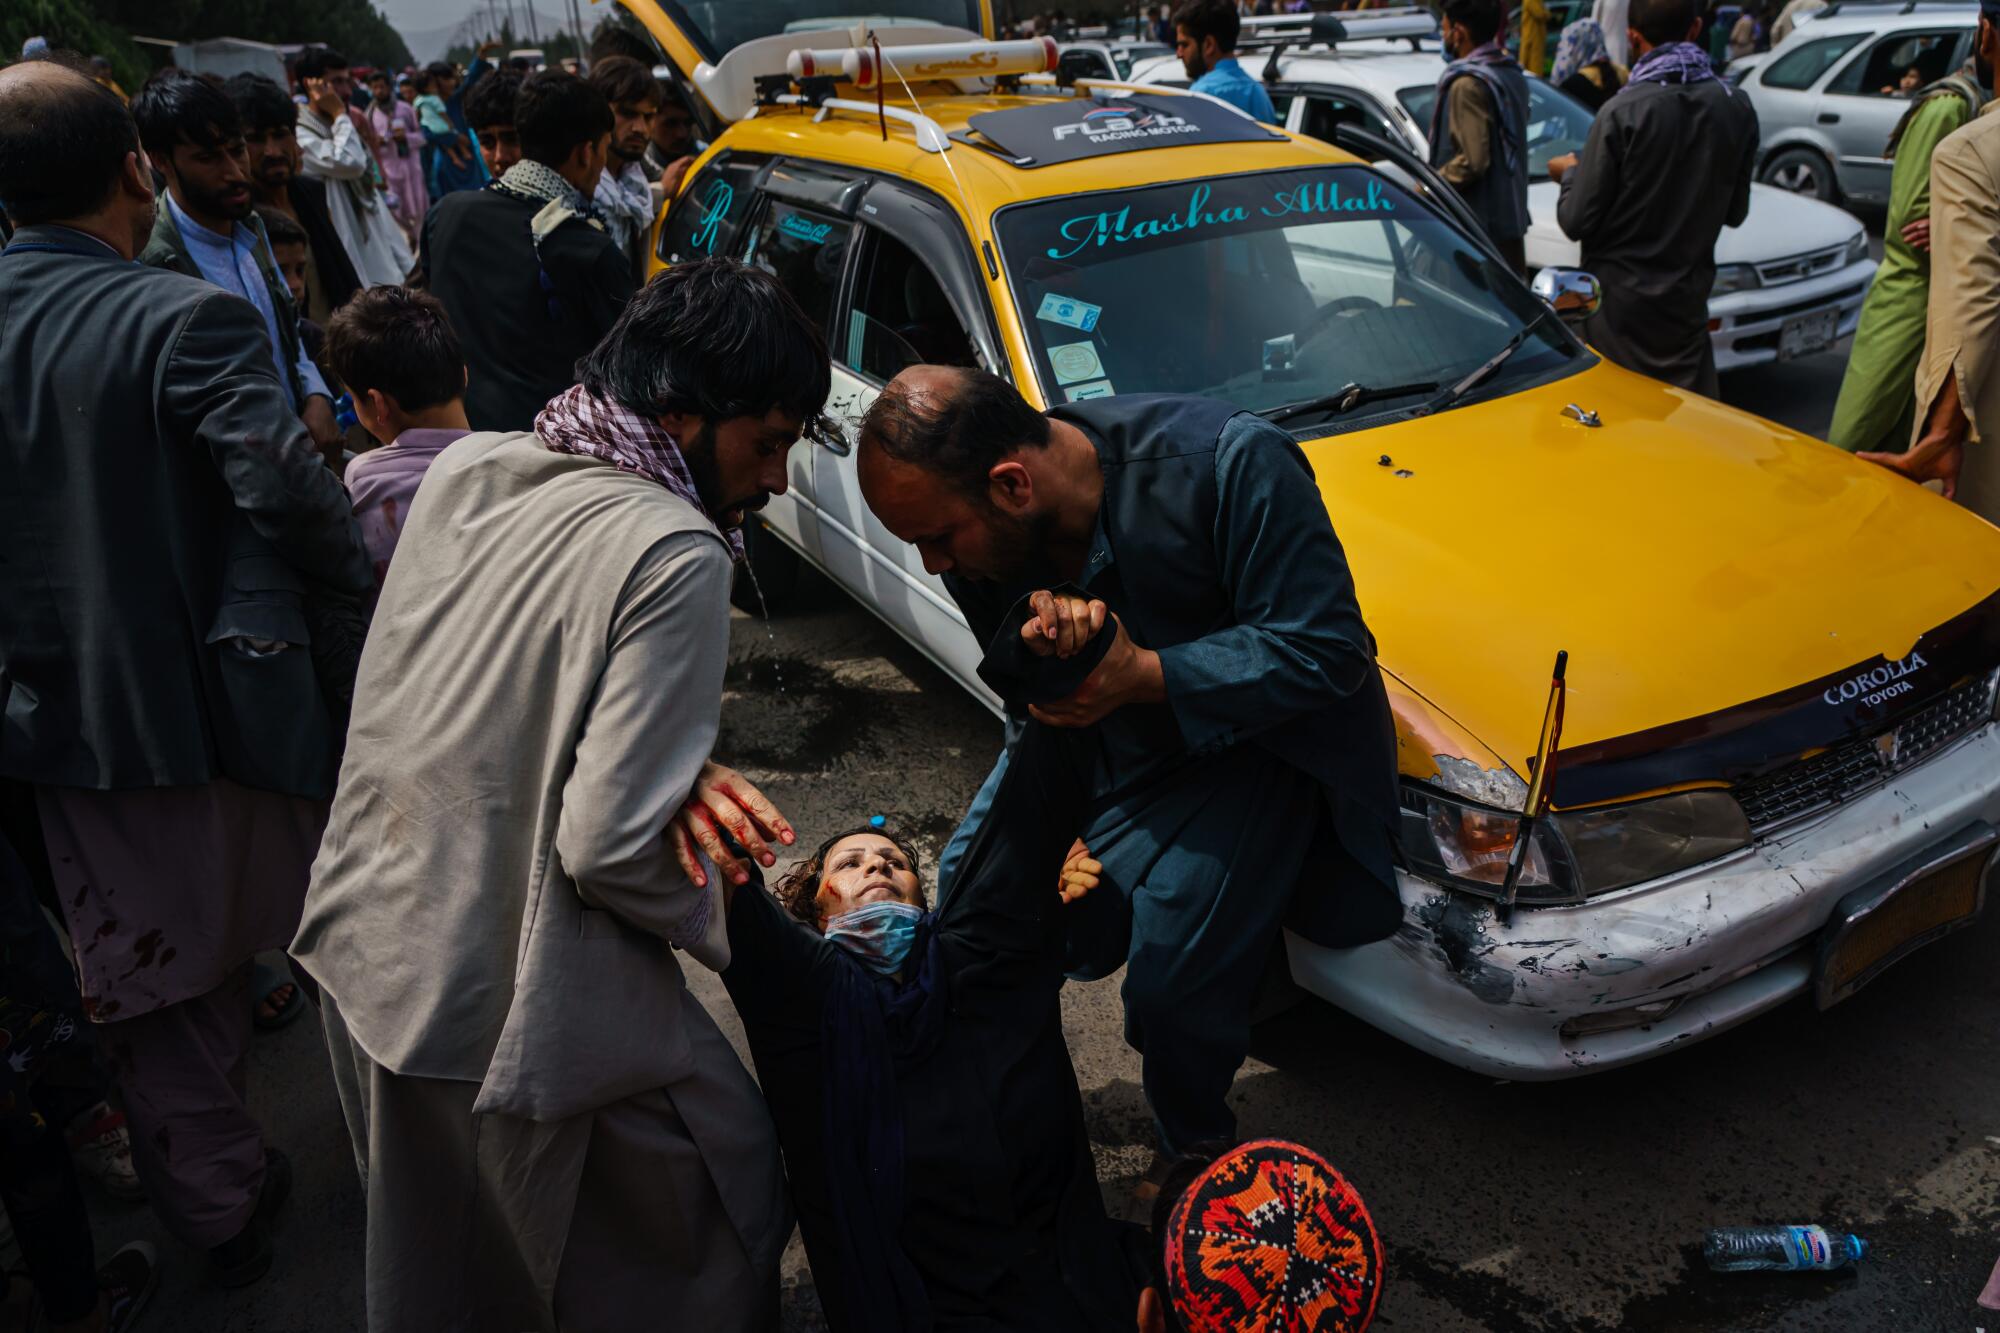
394 350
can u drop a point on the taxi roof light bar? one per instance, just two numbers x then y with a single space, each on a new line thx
927 62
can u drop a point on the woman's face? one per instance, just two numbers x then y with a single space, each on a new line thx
862 869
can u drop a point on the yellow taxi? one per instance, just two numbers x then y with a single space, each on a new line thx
1779 766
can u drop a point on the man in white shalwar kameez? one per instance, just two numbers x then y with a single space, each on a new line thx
332 150
552 1132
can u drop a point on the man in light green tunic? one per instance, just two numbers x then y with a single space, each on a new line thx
1878 394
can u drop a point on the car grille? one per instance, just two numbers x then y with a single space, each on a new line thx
1794 268
1847 770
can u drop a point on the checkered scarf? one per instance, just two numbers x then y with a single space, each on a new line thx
577 421
544 182
1271 1239
1676 62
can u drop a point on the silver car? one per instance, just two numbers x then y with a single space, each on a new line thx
1829 95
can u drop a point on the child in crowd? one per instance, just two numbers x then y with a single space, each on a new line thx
394 350
292 255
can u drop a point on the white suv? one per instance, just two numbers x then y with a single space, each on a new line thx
1789 282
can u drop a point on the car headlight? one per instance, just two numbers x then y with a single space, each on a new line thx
1630 844
1574 855
1857 248
1733 278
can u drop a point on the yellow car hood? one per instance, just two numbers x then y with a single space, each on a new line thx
1689 557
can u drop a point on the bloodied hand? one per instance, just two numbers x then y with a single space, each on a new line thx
724 800
1062 623
1128 674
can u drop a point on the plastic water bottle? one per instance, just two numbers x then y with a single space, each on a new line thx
1784 1249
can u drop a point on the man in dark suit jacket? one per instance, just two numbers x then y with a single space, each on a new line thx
164 518
527 272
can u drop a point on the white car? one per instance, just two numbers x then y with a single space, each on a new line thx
1789 282
1106 58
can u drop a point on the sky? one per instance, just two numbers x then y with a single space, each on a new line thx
428 25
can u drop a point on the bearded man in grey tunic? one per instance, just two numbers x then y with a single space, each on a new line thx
552 1132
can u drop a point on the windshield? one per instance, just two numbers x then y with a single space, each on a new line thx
1266 290
1125 55
1557 122
720 26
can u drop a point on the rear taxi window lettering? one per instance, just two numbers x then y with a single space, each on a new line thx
805 251
709 213
1081 127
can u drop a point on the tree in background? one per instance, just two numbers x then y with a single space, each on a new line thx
72 25
353 27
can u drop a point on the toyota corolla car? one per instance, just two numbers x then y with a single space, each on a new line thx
1780 769
1789 282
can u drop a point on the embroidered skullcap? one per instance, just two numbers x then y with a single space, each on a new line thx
1271 1239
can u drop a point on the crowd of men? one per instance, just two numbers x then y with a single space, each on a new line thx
424 691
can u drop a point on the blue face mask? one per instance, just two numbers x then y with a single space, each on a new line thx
878 935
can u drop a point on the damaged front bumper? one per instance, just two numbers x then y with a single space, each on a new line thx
1564 990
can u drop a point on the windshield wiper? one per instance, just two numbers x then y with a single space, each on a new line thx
1344 399
1485 371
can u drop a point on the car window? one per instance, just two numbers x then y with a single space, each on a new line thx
708 215
1124 57
805 251
1100 64
1801 66
1264 289
900 316
1326 110
1879 71
1557 122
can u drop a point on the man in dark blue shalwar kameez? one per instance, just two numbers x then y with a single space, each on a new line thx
1241 730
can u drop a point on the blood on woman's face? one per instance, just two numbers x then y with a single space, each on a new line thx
862 869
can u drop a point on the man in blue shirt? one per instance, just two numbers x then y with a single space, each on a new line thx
207 227
1205 40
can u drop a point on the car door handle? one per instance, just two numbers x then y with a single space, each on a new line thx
1829 118
836 444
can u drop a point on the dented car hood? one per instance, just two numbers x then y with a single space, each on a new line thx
1692 559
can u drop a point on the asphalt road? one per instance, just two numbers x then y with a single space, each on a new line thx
1506 1208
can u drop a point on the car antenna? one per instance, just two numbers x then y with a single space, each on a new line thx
1536 808
881 86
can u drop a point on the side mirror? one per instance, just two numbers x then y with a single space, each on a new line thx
1571 292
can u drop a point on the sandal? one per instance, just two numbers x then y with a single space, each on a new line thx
267 981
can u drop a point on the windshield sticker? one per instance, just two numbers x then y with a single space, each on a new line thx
1099 230
1075 361
1324 196
1102 229
1094 389
714 208
800 227
1077 314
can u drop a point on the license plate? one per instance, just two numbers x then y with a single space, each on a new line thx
1860 946
1807 334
